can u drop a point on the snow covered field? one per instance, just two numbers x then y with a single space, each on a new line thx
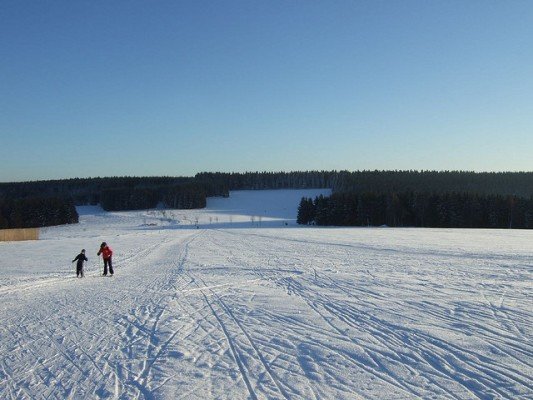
251 306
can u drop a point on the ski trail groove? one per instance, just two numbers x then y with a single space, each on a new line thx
234 352
265 364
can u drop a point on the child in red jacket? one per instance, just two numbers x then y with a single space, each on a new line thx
106 252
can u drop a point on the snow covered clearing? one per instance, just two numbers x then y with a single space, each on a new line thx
250 306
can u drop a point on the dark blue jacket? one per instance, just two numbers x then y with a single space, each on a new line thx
81 258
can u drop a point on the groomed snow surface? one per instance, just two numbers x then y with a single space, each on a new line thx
251 306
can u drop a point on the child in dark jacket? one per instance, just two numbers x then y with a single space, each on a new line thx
79 266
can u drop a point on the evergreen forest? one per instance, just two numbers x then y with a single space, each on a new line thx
418 209
36 212
359 198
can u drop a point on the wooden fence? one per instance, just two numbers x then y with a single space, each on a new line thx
11 235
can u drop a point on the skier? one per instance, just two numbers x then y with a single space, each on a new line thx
106 252
79 265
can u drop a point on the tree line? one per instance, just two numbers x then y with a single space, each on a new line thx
89 191
418 209
497 183
502 183
391 188
270 180
35 212
46 203
185 196
85 191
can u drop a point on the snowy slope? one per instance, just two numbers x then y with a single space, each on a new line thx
260 308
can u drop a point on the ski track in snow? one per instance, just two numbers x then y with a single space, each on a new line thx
263 313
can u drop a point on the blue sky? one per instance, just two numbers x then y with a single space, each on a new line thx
143 88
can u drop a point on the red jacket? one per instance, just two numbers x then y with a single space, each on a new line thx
106 252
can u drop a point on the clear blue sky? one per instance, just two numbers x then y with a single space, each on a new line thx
104 88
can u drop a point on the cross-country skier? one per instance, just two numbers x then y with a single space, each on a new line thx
79 265
106 252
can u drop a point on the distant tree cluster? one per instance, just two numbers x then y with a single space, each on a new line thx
412 209
395 198
122 199
35 212
186 196
121 192
270 180
502 183
84 191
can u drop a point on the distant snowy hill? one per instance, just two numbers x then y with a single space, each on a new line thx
246 208
270 204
